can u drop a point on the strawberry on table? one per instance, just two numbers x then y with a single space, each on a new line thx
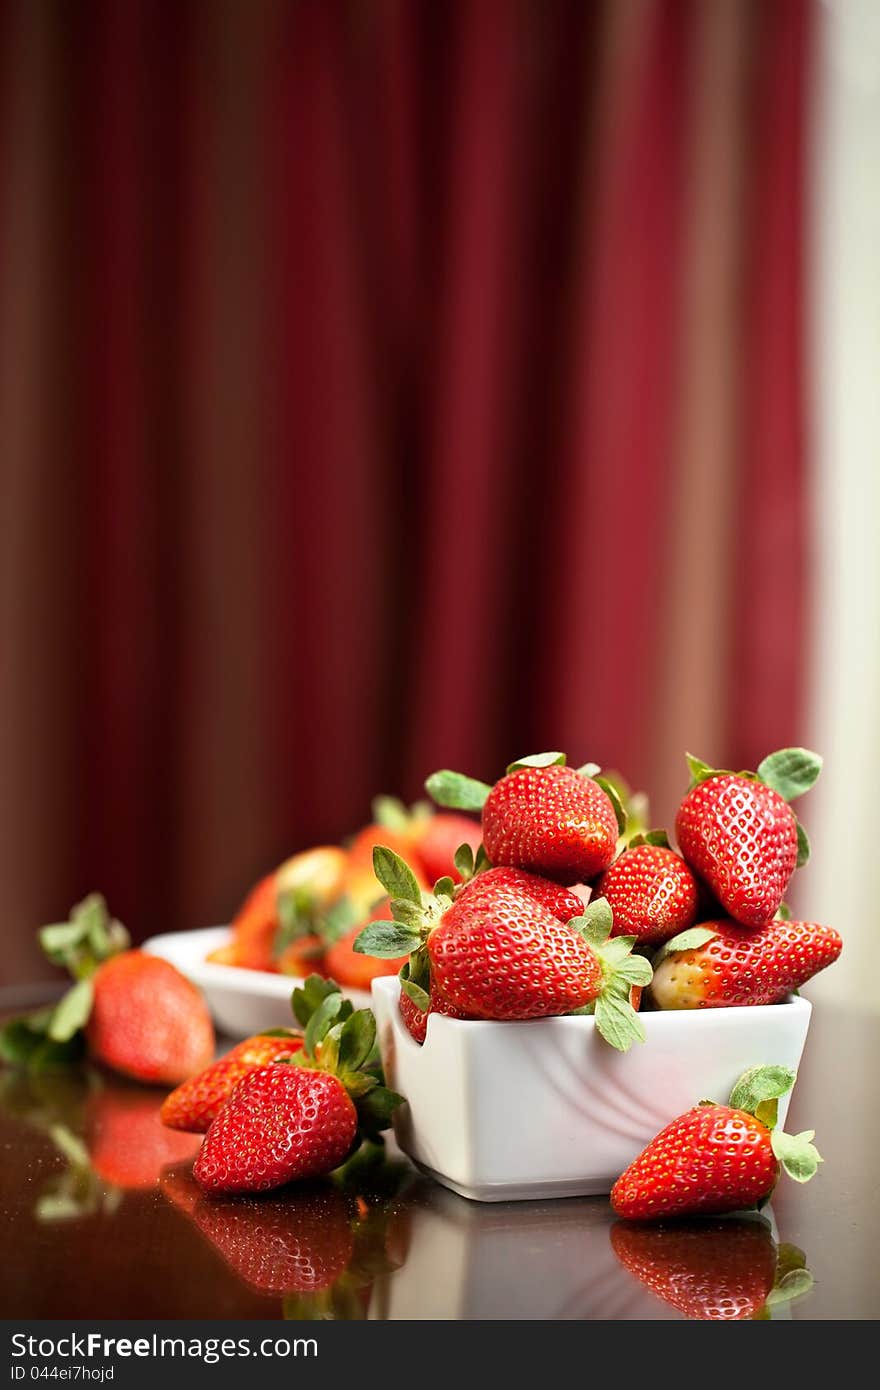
719 964
737 831
651 890
137 1013
299 1118
718 1158
543 816
198 1101
715 1271
497 953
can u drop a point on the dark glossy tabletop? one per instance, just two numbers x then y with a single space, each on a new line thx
100 1218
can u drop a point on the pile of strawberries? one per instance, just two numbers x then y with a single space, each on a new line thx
702 928
304 917
551 906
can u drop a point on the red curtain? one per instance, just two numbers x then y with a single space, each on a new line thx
383 386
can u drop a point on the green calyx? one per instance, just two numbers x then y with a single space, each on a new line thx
300 915
616 1019
758 1092
792 1278
658 838
790 772
394 814
689 940
413 913
52 1037
457 792
341 1040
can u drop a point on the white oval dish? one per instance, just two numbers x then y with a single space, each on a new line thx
242 1002
508 1111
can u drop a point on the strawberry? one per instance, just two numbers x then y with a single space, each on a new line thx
737 831
194 1104
138 1014
718 1271
497 953
299 1118
148 1021
415 1019
127 1144
651 890
543 816
717 1158
559 901
719 963
436 844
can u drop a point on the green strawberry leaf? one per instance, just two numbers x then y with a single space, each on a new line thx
457 792
688 940
390 812
463 859
420 997
310 995
481 863
791 771
19 1040
635 970
659 838
803 854
387 940
356 1039
700 771
798 1156
395 875
321 1022
418 969
595 923
408 913
589 769
71 1012
611 792
58 939
617 1020
792 1276
538 760
375 1109
783 913
758 1090
444 887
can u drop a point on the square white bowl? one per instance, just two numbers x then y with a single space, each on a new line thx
510 1111
242 1002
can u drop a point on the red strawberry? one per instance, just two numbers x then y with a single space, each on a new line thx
138 1013
553 896
295 1245
148 1021
711 1271
197 1102
717 1158
282 1122
416 1019
298 1119
718 964
127 1144
497 953
652 893
436 843
739 834
542 816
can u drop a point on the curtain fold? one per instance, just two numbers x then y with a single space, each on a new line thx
384 386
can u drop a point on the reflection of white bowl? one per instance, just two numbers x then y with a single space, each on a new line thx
504 1111
546 1261
242 1001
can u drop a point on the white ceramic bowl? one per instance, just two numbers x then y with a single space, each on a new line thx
506 1111
242 1001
